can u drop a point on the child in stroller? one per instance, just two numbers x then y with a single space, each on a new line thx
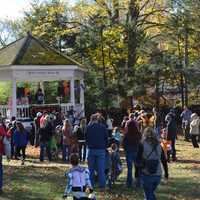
78 182
113 165
116 164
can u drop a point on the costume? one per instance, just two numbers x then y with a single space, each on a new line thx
78 181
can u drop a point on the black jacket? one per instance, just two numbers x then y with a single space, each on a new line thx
81 134
46 133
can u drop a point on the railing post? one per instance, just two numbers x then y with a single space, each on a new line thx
14 99
82 98
72 93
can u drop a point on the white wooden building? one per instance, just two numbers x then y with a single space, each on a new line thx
30 59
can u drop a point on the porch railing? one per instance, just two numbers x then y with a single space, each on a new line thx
23 111
4 111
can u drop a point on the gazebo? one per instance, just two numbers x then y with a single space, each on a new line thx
31 60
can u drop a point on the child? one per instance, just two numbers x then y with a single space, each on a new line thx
165 144
116 136
116 165
78 181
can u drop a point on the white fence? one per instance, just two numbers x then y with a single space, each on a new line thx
4 110
23 111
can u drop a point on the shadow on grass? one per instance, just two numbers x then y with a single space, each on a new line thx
44 183
28 183
179 188
188 161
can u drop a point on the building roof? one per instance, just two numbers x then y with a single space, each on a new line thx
31 51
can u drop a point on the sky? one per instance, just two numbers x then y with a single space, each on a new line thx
13 9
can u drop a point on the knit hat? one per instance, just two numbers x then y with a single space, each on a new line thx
39 114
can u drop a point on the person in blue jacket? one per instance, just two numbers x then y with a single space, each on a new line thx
97 140
20 141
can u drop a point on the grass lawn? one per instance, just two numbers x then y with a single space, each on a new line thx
36 181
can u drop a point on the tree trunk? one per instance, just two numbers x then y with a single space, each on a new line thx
182 91
157 89
186 63
104 72
132 18
181 73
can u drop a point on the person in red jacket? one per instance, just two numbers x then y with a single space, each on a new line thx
2 134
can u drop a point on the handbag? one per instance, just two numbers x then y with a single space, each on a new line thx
151 165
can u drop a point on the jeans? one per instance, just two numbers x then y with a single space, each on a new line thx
82 151
130 160
18 150
43 146
65 152
150 184
194 141
1 173
96 161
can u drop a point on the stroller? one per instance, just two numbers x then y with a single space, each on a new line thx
113 168
115 164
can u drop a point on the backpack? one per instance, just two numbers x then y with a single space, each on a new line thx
151 165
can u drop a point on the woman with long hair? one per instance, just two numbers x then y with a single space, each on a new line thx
66 134
150 155
45 133
81 136
20 141
131 142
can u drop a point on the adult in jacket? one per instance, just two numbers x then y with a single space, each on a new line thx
171 129
151 155
45 134
20 141
97 140
130 143
194 129
81 136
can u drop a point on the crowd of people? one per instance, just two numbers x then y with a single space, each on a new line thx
148 141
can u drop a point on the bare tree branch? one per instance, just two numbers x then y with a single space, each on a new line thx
144 5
